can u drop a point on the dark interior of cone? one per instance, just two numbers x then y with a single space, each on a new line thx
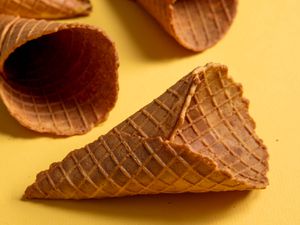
64 82
199 24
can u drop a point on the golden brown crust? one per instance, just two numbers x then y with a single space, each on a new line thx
195 24
46 9
196 137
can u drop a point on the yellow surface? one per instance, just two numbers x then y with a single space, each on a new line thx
262 52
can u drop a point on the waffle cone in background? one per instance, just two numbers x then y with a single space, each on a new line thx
56 78
196 137
46 9
195 24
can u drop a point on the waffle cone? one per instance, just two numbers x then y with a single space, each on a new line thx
45 9
196 137
56 78
195 24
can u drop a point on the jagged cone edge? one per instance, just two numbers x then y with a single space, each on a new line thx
46 9
195 24
73 87
153 151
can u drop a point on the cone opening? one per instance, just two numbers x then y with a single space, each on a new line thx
64 82
199 24
217 125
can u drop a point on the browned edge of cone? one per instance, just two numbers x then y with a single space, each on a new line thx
57 78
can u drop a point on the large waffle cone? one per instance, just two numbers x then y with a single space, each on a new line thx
56 78
195 24
196 137
45 9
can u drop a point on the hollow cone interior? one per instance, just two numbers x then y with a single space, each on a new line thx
57 78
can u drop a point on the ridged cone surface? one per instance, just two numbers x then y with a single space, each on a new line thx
195 24
56 78
45 9
196 137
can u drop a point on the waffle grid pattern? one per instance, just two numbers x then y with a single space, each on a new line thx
245 161
58 114
130 160
54 9
16 31
211 17
195 24
159 117
98 180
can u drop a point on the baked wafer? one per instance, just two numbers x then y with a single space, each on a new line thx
46 9
195 24
196 137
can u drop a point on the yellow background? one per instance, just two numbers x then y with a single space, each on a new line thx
262 52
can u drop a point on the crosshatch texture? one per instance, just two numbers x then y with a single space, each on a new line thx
196 137
45 9
195 24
